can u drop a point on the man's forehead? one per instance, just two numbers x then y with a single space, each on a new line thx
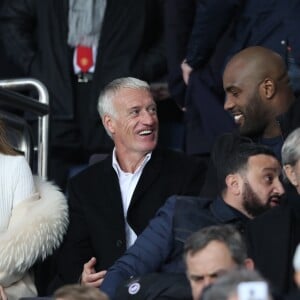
131 96
215 249
264 162
239 73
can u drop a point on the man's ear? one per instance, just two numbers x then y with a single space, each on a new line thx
267 88
233 183
108 123
289 171
249 264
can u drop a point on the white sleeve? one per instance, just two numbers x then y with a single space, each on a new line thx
23 181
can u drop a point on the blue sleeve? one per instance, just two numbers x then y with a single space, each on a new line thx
148 253
212 19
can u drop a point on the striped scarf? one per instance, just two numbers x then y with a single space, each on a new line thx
85 22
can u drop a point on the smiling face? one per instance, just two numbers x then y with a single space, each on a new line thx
244 100
134 127
261 188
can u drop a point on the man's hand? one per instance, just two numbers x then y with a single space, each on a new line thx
186 71
89 275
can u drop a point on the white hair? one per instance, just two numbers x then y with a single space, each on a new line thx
105 101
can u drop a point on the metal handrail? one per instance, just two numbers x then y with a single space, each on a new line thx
43 121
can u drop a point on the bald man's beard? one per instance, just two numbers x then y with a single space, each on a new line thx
252 203
255 121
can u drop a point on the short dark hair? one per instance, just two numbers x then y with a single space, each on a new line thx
226 234
231 153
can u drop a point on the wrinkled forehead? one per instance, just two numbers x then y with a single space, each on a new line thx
127 95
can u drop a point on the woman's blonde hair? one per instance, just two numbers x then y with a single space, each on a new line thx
5 147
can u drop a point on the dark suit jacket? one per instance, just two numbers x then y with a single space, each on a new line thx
35 33
179 17
271 23
96 213
272 239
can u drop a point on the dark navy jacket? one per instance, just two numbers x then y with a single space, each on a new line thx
270 23
159 247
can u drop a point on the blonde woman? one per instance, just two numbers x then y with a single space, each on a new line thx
33 220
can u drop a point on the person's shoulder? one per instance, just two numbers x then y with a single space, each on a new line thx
183 202
96 169
13 159
177 157
195 201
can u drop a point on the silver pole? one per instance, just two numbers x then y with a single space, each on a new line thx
43 122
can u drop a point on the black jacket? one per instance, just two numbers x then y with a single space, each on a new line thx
272 239
97 225
35 32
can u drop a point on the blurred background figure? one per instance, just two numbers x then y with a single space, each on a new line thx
88 44
238 284
211 32
200 101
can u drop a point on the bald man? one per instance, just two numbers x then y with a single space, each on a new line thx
258 92
258 96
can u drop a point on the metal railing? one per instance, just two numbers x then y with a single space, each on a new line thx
9 98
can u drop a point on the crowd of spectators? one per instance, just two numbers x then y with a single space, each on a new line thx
205 209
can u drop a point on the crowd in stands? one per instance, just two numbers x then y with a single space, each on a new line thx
208 210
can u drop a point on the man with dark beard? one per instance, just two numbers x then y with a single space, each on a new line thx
273 237
258 92
247 169
260 99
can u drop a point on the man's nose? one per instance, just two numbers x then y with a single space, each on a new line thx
279 187
207 281
148 117
228 104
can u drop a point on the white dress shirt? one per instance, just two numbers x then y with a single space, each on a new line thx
128 183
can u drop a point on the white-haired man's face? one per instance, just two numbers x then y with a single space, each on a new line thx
134 128
293 174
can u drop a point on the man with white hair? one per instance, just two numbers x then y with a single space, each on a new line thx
112 201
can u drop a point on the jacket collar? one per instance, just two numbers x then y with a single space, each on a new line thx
226 213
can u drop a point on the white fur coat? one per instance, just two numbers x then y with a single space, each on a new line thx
35 229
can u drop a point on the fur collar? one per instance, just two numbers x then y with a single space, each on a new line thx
36 229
